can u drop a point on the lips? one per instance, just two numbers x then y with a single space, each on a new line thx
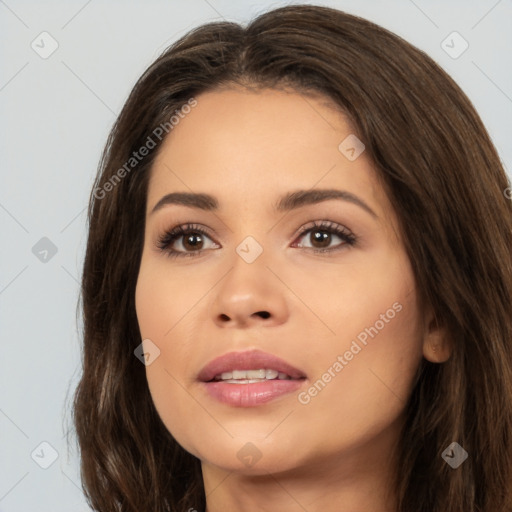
248 360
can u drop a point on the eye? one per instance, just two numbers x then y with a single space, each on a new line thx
191 245
191 239
321 236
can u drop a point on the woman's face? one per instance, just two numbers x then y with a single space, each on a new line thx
270 273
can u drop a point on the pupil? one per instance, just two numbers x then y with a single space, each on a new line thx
321 236
191 237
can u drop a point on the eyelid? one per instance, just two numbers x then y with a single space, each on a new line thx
169 237
332 227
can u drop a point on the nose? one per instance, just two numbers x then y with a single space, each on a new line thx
249 295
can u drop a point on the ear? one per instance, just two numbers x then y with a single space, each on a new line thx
437 348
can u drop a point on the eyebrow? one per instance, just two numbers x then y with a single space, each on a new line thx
288 202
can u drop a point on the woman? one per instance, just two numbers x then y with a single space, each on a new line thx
236 355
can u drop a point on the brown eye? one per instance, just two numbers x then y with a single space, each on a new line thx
321 237
192 241
191 238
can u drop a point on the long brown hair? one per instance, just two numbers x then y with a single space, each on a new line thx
448 187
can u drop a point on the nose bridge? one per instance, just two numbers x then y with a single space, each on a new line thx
248 275
250 234
250 250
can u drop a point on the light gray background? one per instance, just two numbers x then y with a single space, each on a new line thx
55 116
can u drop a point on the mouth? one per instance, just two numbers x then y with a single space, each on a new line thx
249 365
251 376
247 379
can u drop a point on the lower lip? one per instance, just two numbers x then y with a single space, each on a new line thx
249 395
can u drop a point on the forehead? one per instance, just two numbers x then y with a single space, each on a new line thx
251 147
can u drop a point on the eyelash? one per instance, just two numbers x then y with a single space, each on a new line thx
170 236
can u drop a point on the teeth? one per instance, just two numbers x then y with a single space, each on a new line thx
271 374
256 374
252 375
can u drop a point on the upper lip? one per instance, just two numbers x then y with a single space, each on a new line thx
248 360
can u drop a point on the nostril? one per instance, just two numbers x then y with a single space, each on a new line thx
263 314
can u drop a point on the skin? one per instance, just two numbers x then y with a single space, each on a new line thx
247 149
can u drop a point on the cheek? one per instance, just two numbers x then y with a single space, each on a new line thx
364 374
166 315
372 382
165 300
